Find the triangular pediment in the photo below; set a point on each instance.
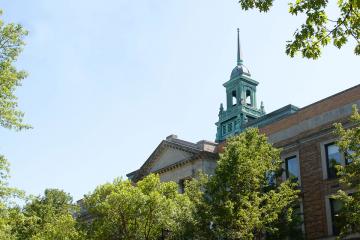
(173, 153)
(166, 154)
(169, 156)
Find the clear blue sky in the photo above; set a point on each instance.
(108, 80)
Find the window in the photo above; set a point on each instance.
(234, 101)
(181, 185)
(297, 228)
(333, 158)
(271, 178)
(250, 119)
(292, 168)
(248, 98)
(348, 158)
(237, 124)
(230, 127)
(223, 129)
(335, 207)
(299, 213)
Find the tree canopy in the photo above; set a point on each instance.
(242, 199)
(47, 217)
(148, 210)
(11, 45)
(348, 219)
(7, 195)
(319, 29)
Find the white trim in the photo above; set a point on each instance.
(328, 215)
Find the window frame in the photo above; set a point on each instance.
(230, 127)
(329, 220)
(181, 183)
(335, 231)
(223, 130)
(248, 97)
(286, 161)
(342, 160)
(301, 204)
(284, 165)
(234, 98)
(324, 158)
(329, 215)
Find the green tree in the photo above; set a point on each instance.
(48, 217)
(197, 227)
(11, 45)
(349, 144)
(318, 29)
(241, 199)
(7, 195)
(148, 210)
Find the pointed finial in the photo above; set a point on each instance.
(221, 110)
(239, 55)
(262, 108)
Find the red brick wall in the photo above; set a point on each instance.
(308, 144)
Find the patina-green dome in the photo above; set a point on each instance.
(240, 70)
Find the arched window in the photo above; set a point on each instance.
(234, 101)
(248, 98)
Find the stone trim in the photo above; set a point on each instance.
(300, 126)
(328, 215)
(349, 96)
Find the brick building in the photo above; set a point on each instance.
(305, 135)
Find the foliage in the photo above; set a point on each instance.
(195, 227)
(7, 195)
(149, 210)
(349, 144)
(318, 30)
(11, 44)
(47, 217)
(240, 200)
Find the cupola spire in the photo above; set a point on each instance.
(241, 105)
(239, 55)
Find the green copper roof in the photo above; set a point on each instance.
(241, 103)
(239, 56)
(240, 68)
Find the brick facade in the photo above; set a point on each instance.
(304, 133)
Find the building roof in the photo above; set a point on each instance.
(240, 68)
(290, 120)
(348, 96)
(201, 148)
(273, 116)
